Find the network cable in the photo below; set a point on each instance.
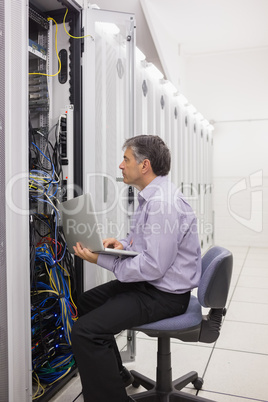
(53, 285)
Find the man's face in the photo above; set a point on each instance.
(131, 170)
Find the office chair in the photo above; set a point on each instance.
(191, 326)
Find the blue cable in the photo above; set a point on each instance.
(53, 168)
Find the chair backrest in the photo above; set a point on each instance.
(217, 265)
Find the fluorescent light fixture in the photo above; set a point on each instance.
(154, 72)
(139, 55)
(108, 27)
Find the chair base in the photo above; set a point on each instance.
(172, 394)
(164, 389)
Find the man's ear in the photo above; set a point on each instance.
(146, 167)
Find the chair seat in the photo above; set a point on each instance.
(177, 326)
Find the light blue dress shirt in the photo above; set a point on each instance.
(164, 231)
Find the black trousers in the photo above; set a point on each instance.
(105, 311)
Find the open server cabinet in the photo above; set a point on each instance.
(66, 103)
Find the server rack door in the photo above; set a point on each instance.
(211, 209)
(174, 143)
(184, 151)
(159, 111)
(198, 162)
(181, 156)
(194, 184)
(209, 188)
(108, 119)
(15, 373)
(3, 261)
(202, 200)
(140, 129)
(167, 97)
(141, 99)
(206, 188)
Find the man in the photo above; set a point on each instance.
(155, 284)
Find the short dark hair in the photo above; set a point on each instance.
(150, 147)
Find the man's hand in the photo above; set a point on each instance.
(111, 242)
(85, 254)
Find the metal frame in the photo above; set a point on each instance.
(17, 200)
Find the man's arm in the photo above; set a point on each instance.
(157, 247)
(85, 254)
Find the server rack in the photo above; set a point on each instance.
(21, 122)
(54, 110)
(163, 111)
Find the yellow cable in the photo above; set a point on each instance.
(34, 292)
(31, 186)
(67, 371)
(69, 283)
(51, 280)
(67, 273)
(39, 385)
(74, 37)
(65, 361)
(56, 48)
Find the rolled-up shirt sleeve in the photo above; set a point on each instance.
(124, 242)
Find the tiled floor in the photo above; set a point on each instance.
(235, 368)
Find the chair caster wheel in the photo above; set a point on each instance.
(135, 384)
(198, 383)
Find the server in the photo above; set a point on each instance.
(53, 275)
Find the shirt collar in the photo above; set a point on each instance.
(150, 189)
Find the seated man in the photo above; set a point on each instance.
(155, 284)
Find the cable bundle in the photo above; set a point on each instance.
(57, 286)
(52, 269)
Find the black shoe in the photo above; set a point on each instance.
(126, 376)
(130, 399)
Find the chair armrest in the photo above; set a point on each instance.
(211, 325)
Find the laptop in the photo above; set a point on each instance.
(80, 224)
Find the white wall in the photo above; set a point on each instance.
(232, 90)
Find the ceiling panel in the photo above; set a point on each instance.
(213, 25)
